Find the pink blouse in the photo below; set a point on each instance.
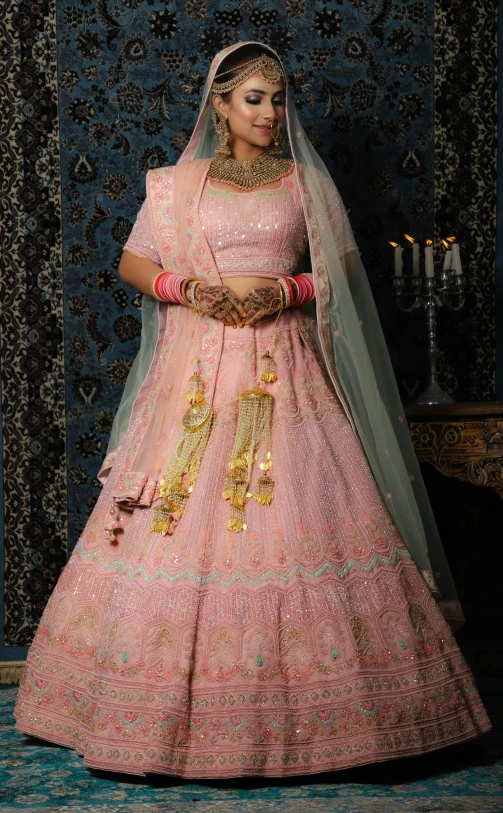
(262, 232)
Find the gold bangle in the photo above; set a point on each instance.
(282, 294)
(191, 295)
(152, 285)
(183, 286)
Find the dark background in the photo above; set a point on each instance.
(398, 96)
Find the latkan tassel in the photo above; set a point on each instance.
(195, 392)
(267, 368)
(176, 485)
(264, 494)
(253, 430)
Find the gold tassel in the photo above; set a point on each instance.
(267, 368)
(176, 485)
(264, 491)
(253, 430)
(195, 393)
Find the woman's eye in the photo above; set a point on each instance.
(279, 102)
(253, 101)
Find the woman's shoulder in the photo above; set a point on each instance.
(181, 168)
(159, 172)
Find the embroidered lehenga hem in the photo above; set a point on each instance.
(263, 732)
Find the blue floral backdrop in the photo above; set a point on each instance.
(397, 96)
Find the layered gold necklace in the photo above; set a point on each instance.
(250, 174)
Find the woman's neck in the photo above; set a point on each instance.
(246, 152)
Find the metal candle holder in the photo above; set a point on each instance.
(447, 290)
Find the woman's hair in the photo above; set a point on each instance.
(232, 64)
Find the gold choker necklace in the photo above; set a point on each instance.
(250, 174)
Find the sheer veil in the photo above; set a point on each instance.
(352, 345)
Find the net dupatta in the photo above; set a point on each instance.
(351, 342)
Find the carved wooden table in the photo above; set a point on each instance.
(460, 440)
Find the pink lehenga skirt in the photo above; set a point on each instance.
(308, 642)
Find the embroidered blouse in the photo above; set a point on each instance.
(262, 232)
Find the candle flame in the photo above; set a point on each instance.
(451, 239)
(409, 238)
(429, 242)
(395, 245)
(446, 244)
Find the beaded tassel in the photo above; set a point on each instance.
(195, 392)
(264, 491)
(176, 485)
(267, 368)
(253, 431)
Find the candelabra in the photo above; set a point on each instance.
(431, 293)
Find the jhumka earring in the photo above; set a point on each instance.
(277, 143)
(177, 484)
(222, 127)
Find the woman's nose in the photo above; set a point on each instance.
(269, 113)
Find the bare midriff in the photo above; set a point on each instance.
(241, 285)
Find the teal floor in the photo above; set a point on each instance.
(42, 778)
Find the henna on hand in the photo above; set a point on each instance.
(220, 303)
(262, 303)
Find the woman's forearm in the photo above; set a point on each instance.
(138, 271)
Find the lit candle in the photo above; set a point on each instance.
(448, 253)
(428, 259)
(456, 259)
(415, 259)
(415, 254)
(398, 258)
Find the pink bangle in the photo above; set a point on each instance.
(166, 287)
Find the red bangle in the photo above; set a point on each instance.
(167, 287)
(305, 289)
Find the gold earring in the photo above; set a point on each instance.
(222, 127)
(276, 145)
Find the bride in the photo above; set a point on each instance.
(260, 588)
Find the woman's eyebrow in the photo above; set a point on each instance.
(263, 92)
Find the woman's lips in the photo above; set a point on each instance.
(263, 129)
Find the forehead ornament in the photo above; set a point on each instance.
(268, 68)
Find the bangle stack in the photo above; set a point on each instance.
(296, 291)
(166, 287)
(170, 287)
(305, 289)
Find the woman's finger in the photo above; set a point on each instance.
(231, 296)
(255, 317)
(235, 318)
(221, 316)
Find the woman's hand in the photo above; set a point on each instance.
(261, 303)
(219, 302)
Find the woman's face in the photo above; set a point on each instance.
(253, 110)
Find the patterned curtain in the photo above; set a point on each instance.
(399, 97)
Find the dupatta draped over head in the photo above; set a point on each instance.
(349, 335)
